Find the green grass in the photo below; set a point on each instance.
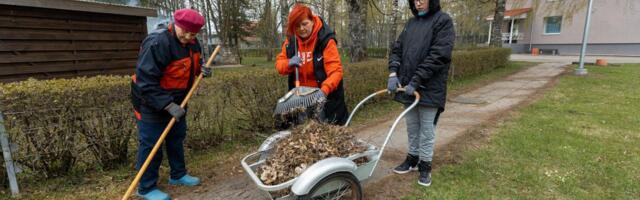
(580, 141)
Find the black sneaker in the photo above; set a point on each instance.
(410, 163)
(425, 173)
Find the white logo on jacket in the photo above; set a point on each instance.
(305, 57)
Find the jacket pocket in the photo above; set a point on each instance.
(176, 75)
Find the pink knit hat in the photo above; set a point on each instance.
(188, 19)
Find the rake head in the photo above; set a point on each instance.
(299, 99)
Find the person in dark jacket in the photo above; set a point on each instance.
(168, 64)
(311, 47)
(419, 61)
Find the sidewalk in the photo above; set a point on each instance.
(462, 113)
(569, 59)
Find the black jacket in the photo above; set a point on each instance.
(165, 72)
(422, 54)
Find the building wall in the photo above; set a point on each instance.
(613, 21)
(613, 31)
(52, 43)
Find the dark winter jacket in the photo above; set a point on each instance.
(422, 54)
(165, 72)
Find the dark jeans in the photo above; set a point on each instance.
(148, 134)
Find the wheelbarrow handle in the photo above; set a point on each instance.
(395, 123)
(373, 95)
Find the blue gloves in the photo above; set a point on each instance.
(410, 89)
(392, 83)
(206, 71)
(295, 61)
(175, 110)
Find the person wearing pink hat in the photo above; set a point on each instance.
(168, 63)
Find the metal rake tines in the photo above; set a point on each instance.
(292, 102)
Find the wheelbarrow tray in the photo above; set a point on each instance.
(252, 162)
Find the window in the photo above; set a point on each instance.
(552, 25)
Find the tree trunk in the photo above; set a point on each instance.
(331, 12)
(268, 30)
(284, 13)
(394, 26)
(498, 16)
(358, 29)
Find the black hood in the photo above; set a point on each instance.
(434, 7)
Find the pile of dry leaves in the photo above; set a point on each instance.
(306, 145)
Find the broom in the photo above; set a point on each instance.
(166, 131)
(299, 98)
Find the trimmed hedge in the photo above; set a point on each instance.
(84, 123)
(371, 52)
(476, 61)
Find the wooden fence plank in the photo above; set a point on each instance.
(64, 14)
(67, 46)
(55, 56)
(44, 35)
(36, 23)
(25, 68)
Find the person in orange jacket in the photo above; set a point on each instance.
(314, 51)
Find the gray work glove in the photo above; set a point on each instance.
(410, 89)
(295, 61)
(392, 83)
(175, 110)
(206, 72)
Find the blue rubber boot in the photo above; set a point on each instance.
(155, 195)
(186, 180)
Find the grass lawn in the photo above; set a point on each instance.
(112, 184)
(580, 141)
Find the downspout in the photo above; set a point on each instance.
(533, 19)
(511, 30)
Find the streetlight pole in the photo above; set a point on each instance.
(581, 70)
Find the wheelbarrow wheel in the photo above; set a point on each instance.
(336, 186)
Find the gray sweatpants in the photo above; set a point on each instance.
(421, 130)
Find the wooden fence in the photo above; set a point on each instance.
(45, 42)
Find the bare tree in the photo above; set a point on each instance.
(358, 29)
(394, 26)
(498, 17)
(284, 13)
(267, 29)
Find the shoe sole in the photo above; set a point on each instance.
(404, 172)
(424, 184)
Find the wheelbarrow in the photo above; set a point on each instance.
(330, 178)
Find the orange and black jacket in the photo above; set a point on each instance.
(165, 72)
(321, 68)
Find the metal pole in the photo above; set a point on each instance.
(581, 70)
(490, 30)
(8, 162)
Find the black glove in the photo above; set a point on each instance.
(410, 89)
(392, 83)
(295, 61)
(207, 72)
(175, 110)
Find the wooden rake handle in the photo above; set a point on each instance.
(166, 131)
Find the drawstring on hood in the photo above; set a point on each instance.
(434, 7)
